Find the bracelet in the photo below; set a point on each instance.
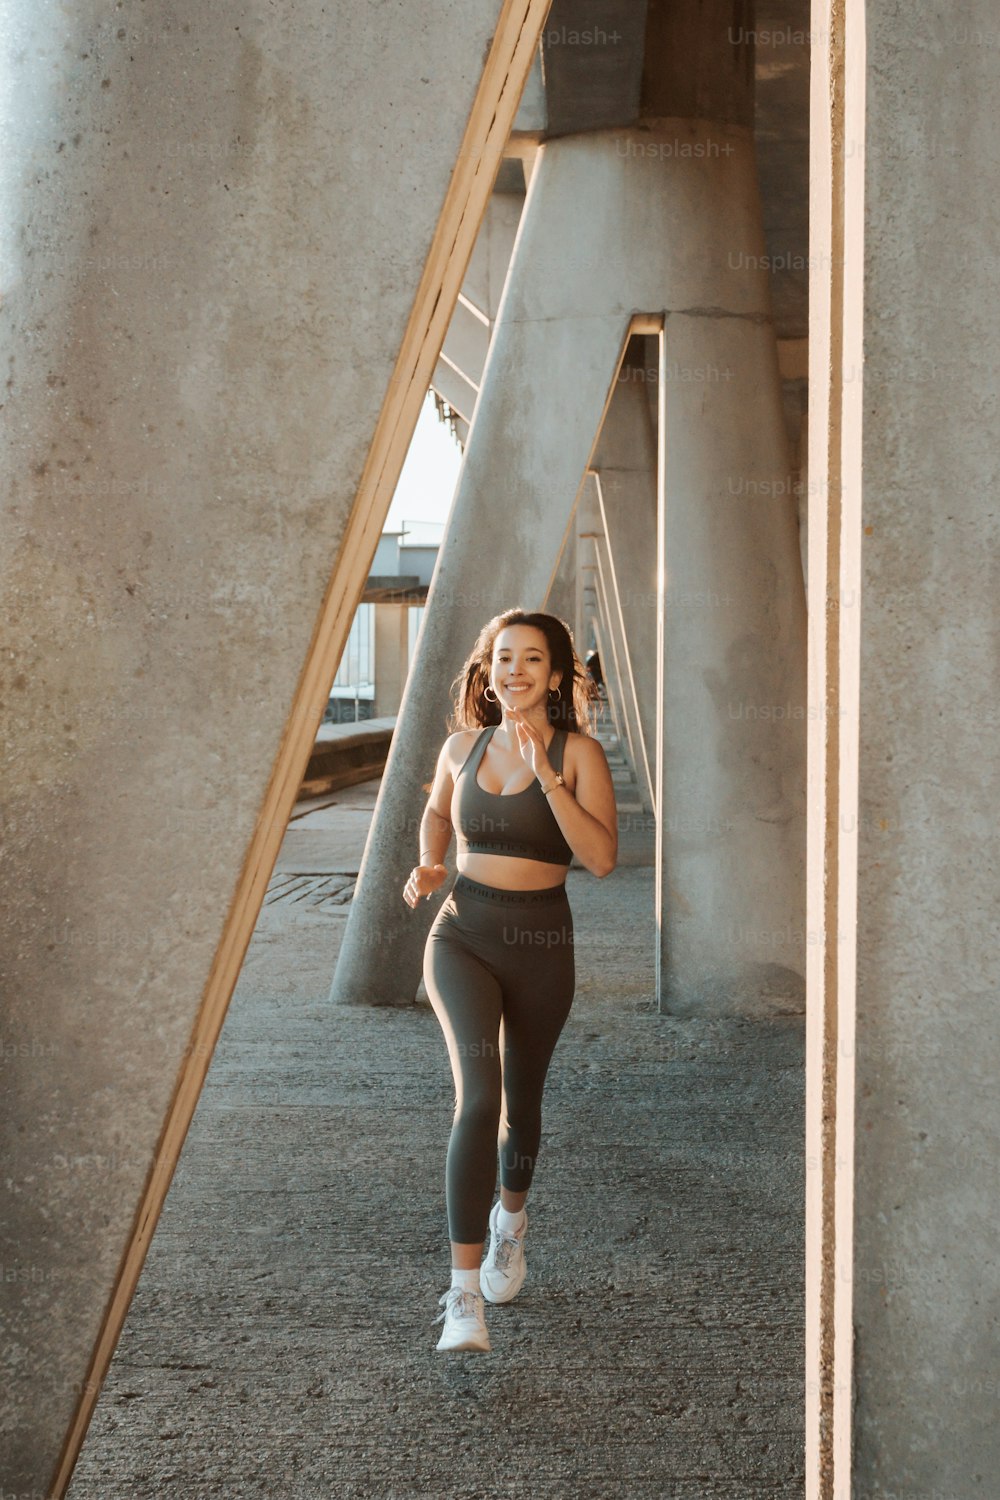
(426, 851)
(558, 782)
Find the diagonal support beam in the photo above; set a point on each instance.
(206, 429)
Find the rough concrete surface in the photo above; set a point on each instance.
(216, 224)
(281, 1340)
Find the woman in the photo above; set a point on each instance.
(526, 787)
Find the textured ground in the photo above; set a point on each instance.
(281, 1340)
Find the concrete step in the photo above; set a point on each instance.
(346, 754)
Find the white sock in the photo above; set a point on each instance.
(508, 1222)
(468, 1280)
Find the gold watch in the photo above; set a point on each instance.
(558, 782)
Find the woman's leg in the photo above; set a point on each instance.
(467, 1001)
(539, 984)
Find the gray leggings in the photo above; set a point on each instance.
(500, 973)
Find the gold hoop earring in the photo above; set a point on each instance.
(558, 693)
(486, 695)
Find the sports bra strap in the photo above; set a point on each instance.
(557, 745)
(477, 752)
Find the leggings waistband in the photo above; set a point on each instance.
(497, 895)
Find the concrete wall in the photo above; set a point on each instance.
(926, 1268)
(903, 1134)
(210, 273)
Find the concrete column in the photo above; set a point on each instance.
(626, 492)
(614, 658)
(588, 525)
(596, 625)
(904, 1125)
(731, 769)
(731, 848)
(215, 287)
(392, 644)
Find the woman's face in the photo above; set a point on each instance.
(521, 669)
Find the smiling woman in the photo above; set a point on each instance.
(527, 788)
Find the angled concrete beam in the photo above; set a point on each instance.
(222, 315)
(454, 388)
(467, 342)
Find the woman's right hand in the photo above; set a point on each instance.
(424, 881)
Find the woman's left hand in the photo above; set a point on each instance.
(532, 746)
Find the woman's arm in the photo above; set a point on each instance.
(435, 825)
(435, 836)
(588, 815)
(435, 833)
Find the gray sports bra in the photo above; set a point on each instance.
(521, 824)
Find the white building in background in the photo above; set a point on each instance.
(380, 646)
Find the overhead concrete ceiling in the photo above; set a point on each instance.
(591, 59)
(593, 72)
(588, 76)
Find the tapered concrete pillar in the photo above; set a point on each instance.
(595, 616)
(228, 231)
(501, 548)
(586, 513)
(561, 597)
(600, 238)
(903, 1271)
(731, 769)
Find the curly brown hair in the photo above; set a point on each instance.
(574, 710)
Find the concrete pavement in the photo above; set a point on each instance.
(281, 1340)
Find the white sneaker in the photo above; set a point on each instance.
(502, 1273)
(464, 1320)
